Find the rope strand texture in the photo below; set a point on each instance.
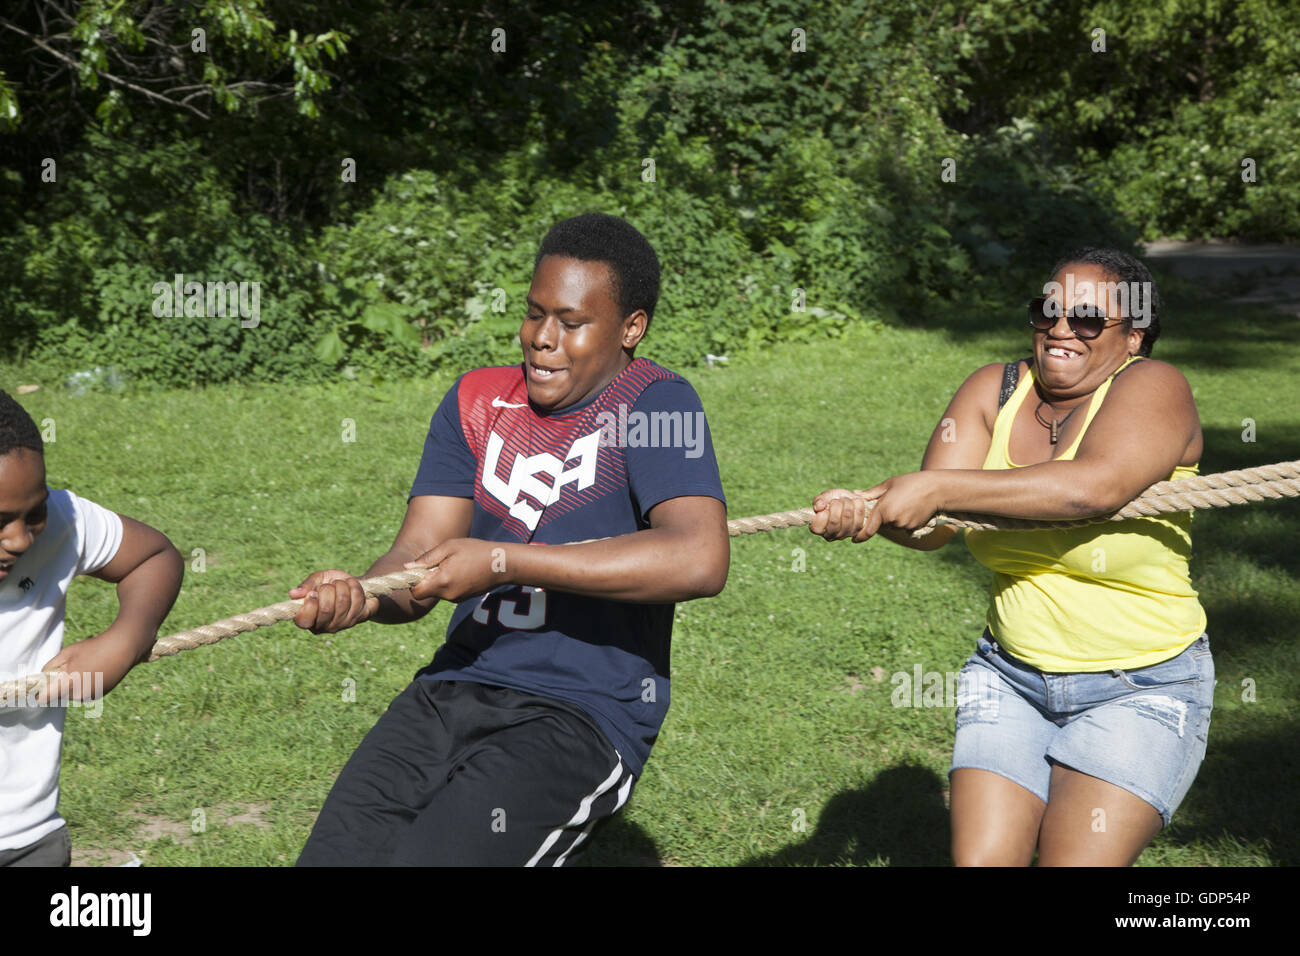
(1244, 486)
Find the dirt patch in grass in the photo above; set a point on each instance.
(150, 828)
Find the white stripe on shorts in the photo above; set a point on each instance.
(623, 791)
(584, 811)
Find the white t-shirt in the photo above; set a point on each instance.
(79, 537)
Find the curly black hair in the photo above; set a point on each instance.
(17, 430)
(1122, 267)
(597, 237)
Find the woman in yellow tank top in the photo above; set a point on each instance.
(1083, 715)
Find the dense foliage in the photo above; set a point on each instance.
(385, 171)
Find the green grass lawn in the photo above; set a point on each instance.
(781, 711)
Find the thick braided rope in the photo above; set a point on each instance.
(1245, 486)
(1198, 493)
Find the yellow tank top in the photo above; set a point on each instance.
(1092, 598)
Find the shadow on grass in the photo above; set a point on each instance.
(1245, 793)
(1269, 542)
(898, 820)
(622, 843)
(1225, 451)
(1264, 535)
(1216, 335)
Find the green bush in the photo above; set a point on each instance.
(1189, 180)
(79, 278)
(799, 155)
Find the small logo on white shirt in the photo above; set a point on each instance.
(497, 403)
(26, 584)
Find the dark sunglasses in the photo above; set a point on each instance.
(1085, 321)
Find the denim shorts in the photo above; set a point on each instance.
(1143, 730)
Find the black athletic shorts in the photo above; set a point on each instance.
(457, 773)
(53, 849)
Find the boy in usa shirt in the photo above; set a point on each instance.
(530, 726)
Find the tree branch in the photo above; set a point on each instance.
(104, 73)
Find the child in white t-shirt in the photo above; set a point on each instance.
(47, 537)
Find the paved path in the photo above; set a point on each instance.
(1254, 266)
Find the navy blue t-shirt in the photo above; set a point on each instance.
(593, 470)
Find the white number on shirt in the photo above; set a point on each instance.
(508, 613)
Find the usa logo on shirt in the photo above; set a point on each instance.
(540, 477)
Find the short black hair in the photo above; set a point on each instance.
(597, 237)
(1127, 269)
(17, 430)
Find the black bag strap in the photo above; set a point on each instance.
(1010, 378)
